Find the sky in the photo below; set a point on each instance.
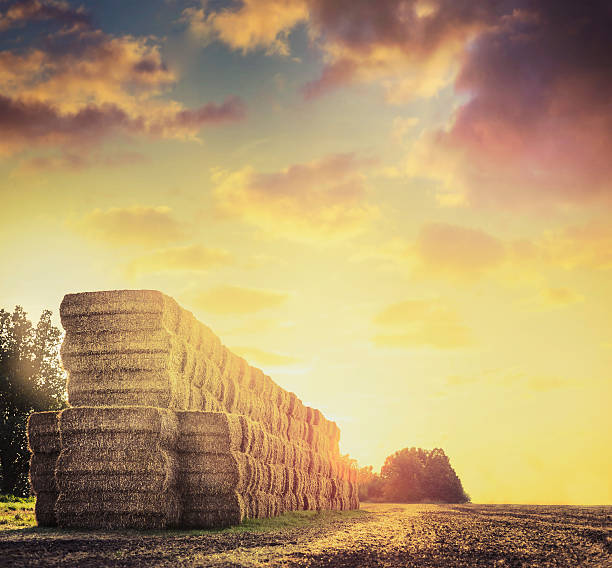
(400, 209)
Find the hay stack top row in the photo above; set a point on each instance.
(139, 347)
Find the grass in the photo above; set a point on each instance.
(288, 521)
(16, 512)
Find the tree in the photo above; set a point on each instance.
(371, 486)
(31, 380)
(415, 475)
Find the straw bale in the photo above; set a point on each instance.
(243, 371)
(118, 510)
(186, 326)
(217, 473)
(283, 425)
(150, 341)
(214, 510)
(137, 361)
(297, 430)
(212, 347)
(229, 394)
(297, 409)
(119, 427)
(84, 470)
(244, 401)
(257, 380)
(43, 432)
(42, 472)
(289, 502)
(209, 432)
(44, 509)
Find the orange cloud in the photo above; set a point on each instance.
(421, 323)
(321, 199)
(265, 358)
(236, 300)
(144, 226)
(189, 257)
(450, 249)
(84, 85)
(22, 11)
(253, 25)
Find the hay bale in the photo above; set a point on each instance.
(217, 473)
(44, 509)
(209, 432)
(213, 510)
(86, 471)
(119, 427)
(122, 388)
(101, 341)
(42, 473)
(118, 510)
(43, 432)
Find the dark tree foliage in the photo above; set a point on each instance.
(31, 380)
(413, 475)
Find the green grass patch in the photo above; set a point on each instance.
(288, 521)
(16, 512)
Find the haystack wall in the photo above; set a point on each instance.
(168, 427)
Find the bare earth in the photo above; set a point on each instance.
(380, 535)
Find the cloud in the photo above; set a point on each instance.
(189, 257)
(320, 199)
(76, 161)
(79, 86)
(561, 296)
(253, 24)
(552, 298)
(23, 11)
(236, 300)
(144, 226)
(412, 47)
(421, 323)
(35, 123)
(533, 129)
(536, 131)
(264, 358)
(451, 249)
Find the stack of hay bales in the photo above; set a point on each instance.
(239, 445)
(45, 447)
(117, 468)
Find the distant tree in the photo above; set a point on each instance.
(414, 475)
(370, 484)
(31, 380)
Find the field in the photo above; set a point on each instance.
(377, 535)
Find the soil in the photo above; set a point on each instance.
(446, 536)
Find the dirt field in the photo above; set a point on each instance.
(378, 535)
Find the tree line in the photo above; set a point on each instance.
(413, 475)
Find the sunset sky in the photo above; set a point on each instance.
(399, 209)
